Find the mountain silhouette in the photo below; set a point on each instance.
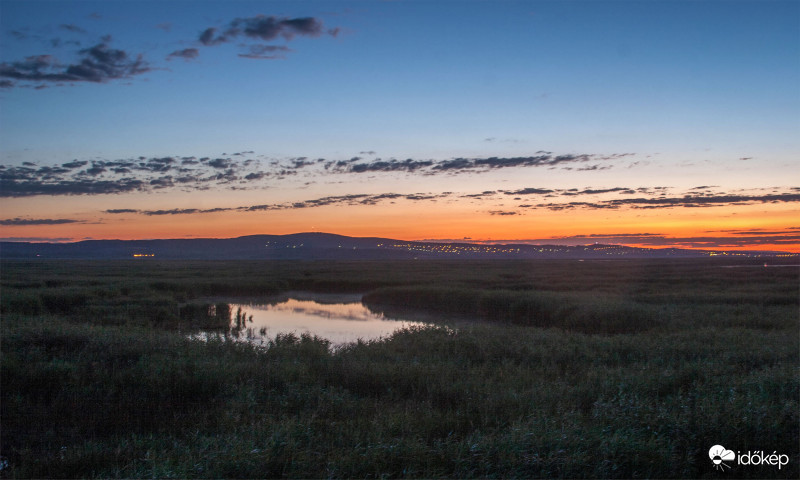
(327, 246)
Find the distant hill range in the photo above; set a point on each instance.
(326, 246)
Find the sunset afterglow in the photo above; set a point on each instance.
(650, 124)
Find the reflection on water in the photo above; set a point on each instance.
(338, 319)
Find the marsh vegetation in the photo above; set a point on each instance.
(579, 369)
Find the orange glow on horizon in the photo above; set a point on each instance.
(717, 228)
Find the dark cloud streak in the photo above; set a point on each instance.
(687, 201)
(336, 200)
(466, 164)
(37, 221)
(186, 54)
(121, 210)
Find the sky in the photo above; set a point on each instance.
(645, 123)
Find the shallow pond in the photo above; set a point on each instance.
(338, 318)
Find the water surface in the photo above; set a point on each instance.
(338, 318)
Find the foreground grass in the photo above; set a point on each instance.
(88, 395)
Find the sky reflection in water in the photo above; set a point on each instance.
(338, 322)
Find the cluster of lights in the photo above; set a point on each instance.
(612, 249)
(729, 254)
(284, 246)
(493, 249)
(144, 255)
(450, 248)
(458, 249)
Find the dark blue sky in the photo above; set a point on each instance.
(411, 78)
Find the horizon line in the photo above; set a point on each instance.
(468, 241)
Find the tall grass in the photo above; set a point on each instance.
(482, 401)
(582, 312)
(90, 394)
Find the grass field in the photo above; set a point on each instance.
(622, 369)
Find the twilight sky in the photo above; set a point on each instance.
(647, 123)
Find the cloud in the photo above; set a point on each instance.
(255, 175)
(78, 177)
(207, 37)
(120, 176)
(98, 64)
(687, 201)
(19, 35)
(239, 171)
(174, 211)
(186, 54)
(335, 200)
(596, 191)
(95, 170)
(657, 240)
(706, 200)
(219, 163)
(529, 191)
(419, 196)
(266, 52)
(455, 165)
(188, 169)
(657, 197)
(269, 28)
(301, 162)
(102, 63)
(121, 210)
(591, 168)
(37, 239)
(759, 231)
(501, 140)
(263, 28)
(502, 212)
(37, 221)
(72, 28)
(9, 188)
(485, 193)
(74, 164)
(390, 166)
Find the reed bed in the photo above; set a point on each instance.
(100, 379)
